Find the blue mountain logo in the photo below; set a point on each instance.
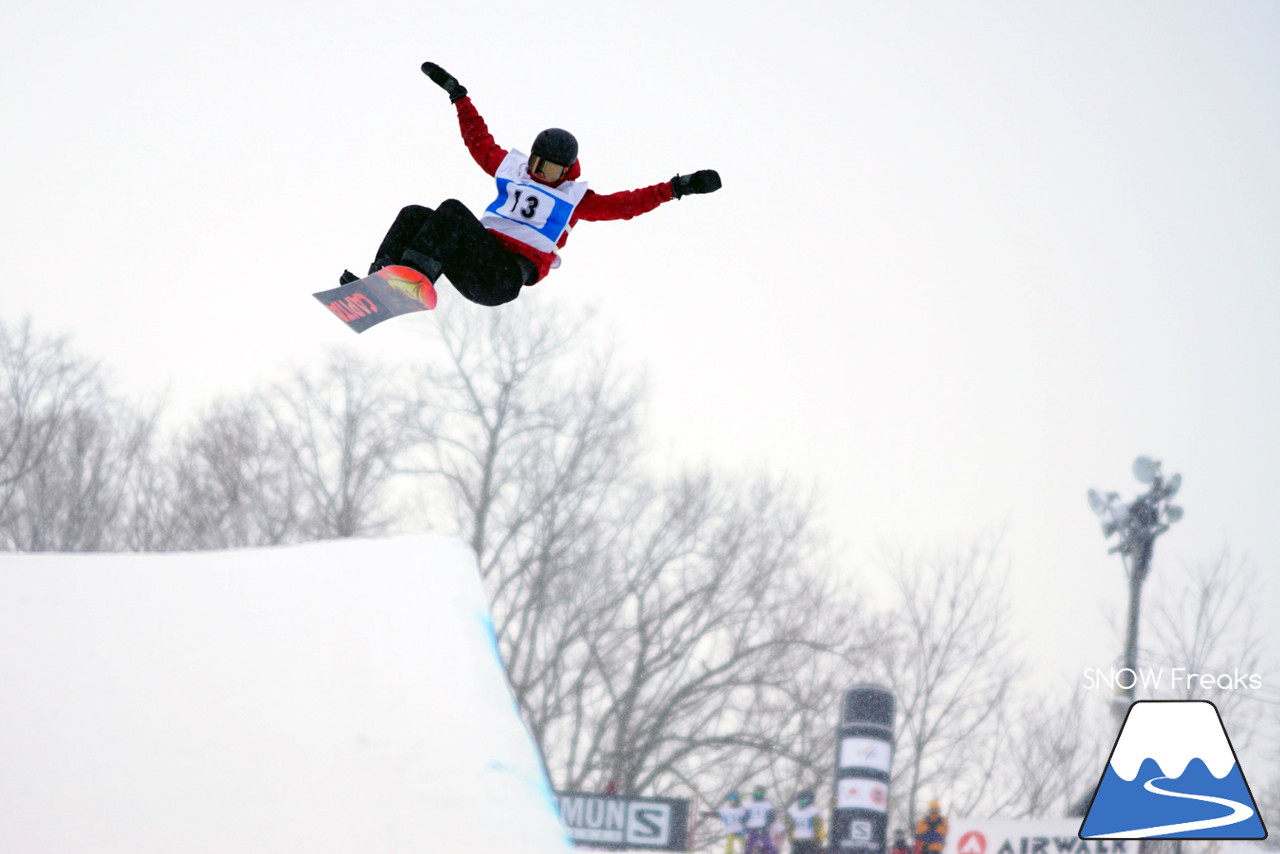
(1173, 774)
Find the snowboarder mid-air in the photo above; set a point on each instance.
(516, 240)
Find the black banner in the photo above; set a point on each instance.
(610, 821)
(864, 759)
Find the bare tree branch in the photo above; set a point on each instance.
(950, 668)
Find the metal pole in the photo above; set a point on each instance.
(1131, 640)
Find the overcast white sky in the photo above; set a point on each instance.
(969, 259)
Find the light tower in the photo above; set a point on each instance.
(1137, 524)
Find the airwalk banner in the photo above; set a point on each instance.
(607, 821)
(1029, 836)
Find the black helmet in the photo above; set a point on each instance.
(806, 795)
(556, 145)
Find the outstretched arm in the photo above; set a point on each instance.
(596, 207)
(629, 203)
(475, 133)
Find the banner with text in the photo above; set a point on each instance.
(1026, 836)
(606, 821)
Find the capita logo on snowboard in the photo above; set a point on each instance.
(381, 295)
(1173, 774)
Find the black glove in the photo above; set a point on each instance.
(704, 181)
(444, 80)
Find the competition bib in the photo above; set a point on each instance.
(532, 213)
(732, 818)
(803, 820)
(758, 814)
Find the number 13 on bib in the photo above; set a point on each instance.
(534, 214)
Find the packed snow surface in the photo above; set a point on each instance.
(332, 697)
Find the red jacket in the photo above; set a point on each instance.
(593, 207)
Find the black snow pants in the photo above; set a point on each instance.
(455, 243)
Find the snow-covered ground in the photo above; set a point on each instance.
(340, 696)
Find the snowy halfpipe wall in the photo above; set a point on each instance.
(333, 697)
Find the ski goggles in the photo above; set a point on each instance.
(546, 169)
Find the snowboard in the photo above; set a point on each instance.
(387, 293)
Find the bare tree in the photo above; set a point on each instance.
(1268, 790)
(1056, 748)
(1210, 639)
(511, 427)
(232, 482)
(44, 383)
(311, 457)
(661, 637)
(67, 448)
(716, 627)
(1205, 621)
(530, 455)
(154, 522)
(949, 664)
(340, 431)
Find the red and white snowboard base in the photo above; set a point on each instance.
(388, 293)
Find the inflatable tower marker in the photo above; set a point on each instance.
(864, 755)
